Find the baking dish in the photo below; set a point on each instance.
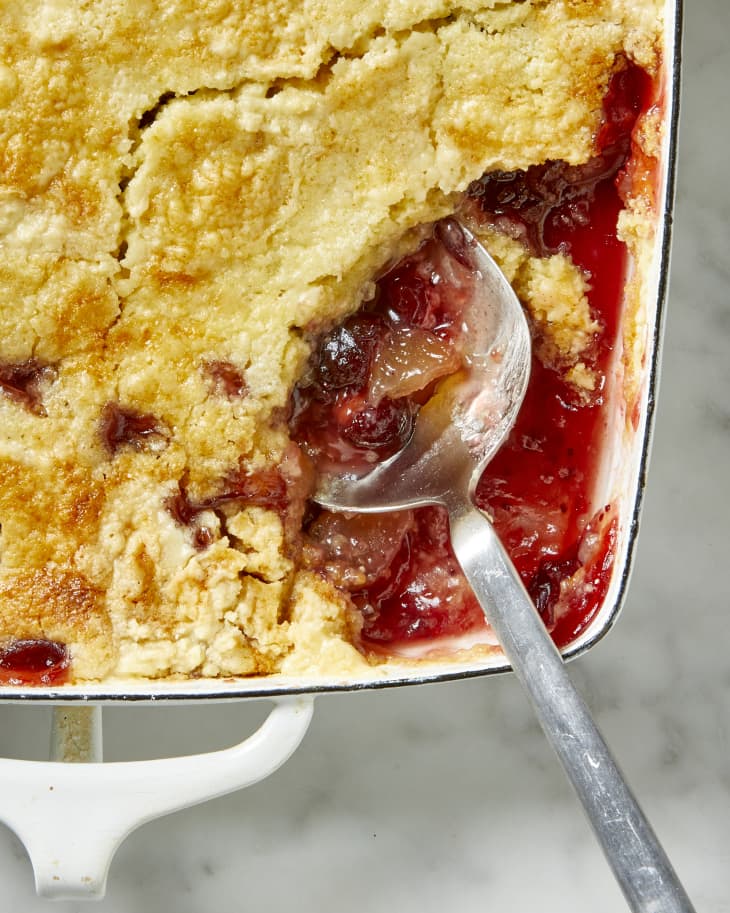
(106, 802)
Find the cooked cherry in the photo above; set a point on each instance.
(262, 488)
(345, 354)
(23, 382)
(34, 662)
(181, 508)
(226, 379)
(383, 427)
(119, 426)
(185, 512)
(408, 294)
(544, 588)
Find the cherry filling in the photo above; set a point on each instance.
(266, 488)
(225, 379)
(369, 375)
(120, 426)
(34, 662)
(556, 206)
(23, 382)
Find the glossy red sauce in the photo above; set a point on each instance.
(34, 662)
(547, 466)
(538, 487)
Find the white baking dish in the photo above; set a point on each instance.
(73, 816)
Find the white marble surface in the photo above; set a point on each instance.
(447, 797)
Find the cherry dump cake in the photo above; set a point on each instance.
(225, 268)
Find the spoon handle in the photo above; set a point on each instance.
(639, 863)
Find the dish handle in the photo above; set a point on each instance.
(72, 817)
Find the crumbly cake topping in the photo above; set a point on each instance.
(190, 191)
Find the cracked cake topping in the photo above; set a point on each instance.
(202, 208)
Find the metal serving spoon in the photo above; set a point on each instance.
(456, 434)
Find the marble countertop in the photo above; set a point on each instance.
(447, 797)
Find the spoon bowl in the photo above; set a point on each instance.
(463, 425)
(457, 432)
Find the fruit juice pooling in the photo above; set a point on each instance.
(538, 487)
